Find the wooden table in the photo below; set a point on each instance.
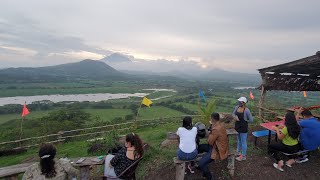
(84, 166)
(269, 125)
(12, 172)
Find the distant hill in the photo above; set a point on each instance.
(116, 58)
(164, 67)
(218, 74)
(86, 69)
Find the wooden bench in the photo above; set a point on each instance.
(261, 133)
(181, 165)
(12, 172)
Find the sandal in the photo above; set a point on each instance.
(289, 165)
(276, 166)
(190, 169)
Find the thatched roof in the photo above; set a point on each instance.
(299, 75)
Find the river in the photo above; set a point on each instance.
(75, 97)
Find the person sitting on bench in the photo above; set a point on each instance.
(289, 135)
(116, 164)
(187, 141)
(49, 167)
(310, 128)
(310, 136)
(218, 145)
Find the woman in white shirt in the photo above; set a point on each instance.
(187, 141)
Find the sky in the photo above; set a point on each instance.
(240, 36)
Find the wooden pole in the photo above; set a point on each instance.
(136, 122)
(262, 101)
(21, 131)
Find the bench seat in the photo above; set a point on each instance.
(261, 133)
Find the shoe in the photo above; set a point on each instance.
(190, 169)
(275, 165)
(238, 154)
(301, 160)
(289, 165)
(241, 158)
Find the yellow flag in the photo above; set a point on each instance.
(146, 101)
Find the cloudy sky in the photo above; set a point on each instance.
(232, 35)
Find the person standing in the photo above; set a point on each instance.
(242, 115)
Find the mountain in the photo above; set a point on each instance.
(86, 69)
(180, 69)
(217, 74)
(116, 58)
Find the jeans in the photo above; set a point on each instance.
(242, 143)
(274, 150)
(204, 162)
(187, 156)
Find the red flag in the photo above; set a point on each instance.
(304, 94)
(251, 95)
(25, 110)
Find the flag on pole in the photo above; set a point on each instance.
(146, 101)
(251, 95)
(305, 94)
(25, 110)
(201, 95)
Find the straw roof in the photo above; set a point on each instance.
(299, 75)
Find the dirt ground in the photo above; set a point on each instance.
(258, 166)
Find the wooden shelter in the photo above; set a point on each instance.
(299, 75)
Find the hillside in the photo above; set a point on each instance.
(86, 69)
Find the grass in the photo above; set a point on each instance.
(35, 114)
(192, 107)
(108, 114)
(154, 155)
(157, 111)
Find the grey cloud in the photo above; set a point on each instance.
(250, 33)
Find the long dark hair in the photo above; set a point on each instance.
(292, 125)
(187, 122)
(47, 153)
(135, 141)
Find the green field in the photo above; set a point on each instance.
(157, 111)
(35, 114)
(108, 114)
(153, 136)
(192, 107)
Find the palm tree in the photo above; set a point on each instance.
(207, 110)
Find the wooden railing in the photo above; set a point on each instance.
(90, 132)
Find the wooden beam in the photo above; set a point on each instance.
(261, 101)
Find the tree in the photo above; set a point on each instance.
(207, 110)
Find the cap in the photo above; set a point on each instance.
(243, 99)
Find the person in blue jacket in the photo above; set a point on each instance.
(310, 135)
